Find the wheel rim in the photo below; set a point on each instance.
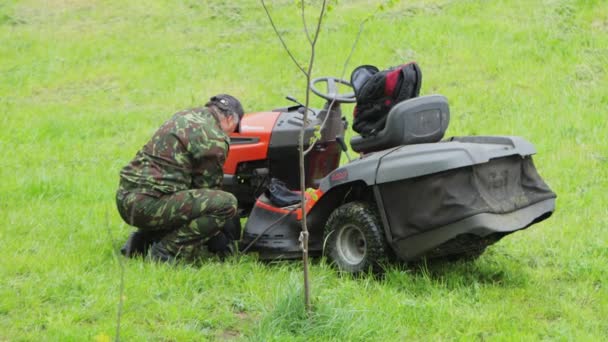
(351, 244)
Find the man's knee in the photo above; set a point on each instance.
(225, 204)
(216, 203)
(127, 204)
(141, 211)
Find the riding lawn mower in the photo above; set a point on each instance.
(407, 196)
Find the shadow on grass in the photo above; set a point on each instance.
(493, 269)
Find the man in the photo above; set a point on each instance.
(171, 191)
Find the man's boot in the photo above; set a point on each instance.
(139, 242)
(135, 245)
(158, 252)
(221, 245)
(232, 228)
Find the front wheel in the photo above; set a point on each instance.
(355, 240)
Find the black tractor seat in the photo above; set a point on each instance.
(419, 120)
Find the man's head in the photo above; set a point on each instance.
(227, 109)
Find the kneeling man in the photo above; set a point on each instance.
(171, 191)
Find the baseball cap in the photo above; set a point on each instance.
(226, 103)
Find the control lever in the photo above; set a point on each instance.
(340, 141)
(301, 110)
(293, 99)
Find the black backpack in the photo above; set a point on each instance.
(378, 91)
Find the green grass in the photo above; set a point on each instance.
(83, 84)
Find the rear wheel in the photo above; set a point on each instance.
(354, 238)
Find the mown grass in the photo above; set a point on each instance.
(83, 84)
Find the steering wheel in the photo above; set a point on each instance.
(332, 93)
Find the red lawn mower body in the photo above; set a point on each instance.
(265, 146)
(409, 194)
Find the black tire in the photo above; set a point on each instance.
(354, 239)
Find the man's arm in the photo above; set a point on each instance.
(208, 163)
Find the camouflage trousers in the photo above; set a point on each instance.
(189, 217)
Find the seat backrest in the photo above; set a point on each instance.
(419, 120)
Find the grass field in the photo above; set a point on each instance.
(83, 84)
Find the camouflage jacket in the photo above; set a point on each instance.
(186, 152)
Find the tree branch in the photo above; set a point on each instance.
(352, 51)
(304, 23)
(319, 25)
(304, 233)
(308, 72)
(281, 38)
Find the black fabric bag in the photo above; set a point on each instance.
(279, 195)
(500, 186)
(378, 91)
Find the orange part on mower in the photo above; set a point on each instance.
(254, 130)
(311, 197)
